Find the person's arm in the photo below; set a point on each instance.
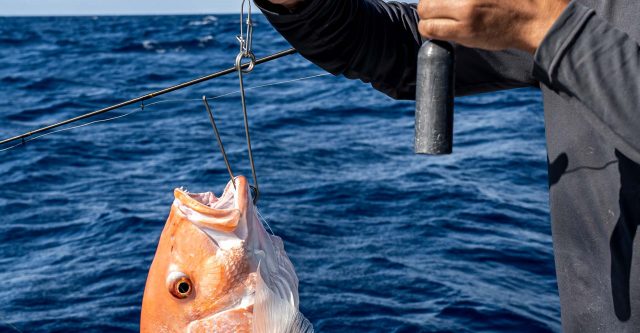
(585, 58)
(378, 42)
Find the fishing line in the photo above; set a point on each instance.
(148, 96)
(11, 326)
(270, 84)
(141, 108)
(264, 220)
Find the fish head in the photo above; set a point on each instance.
(201, 278)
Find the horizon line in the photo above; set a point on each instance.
(121, 14)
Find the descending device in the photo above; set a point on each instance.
(434, 98)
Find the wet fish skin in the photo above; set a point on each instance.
(216, 269)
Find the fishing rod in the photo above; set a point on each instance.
(141, 99)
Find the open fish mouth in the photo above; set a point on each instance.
(209, 199)
(240, 275)
(219, 217)
(207, 203)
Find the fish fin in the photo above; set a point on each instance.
(273, 314)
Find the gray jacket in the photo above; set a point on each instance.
(588, 68)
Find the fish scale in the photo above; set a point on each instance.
(195, 285)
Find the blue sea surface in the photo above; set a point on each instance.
(382, 240)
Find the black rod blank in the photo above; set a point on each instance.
(148, 96)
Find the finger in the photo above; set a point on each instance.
(440, 9)
(445, 29)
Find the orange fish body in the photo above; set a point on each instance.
(216, 269)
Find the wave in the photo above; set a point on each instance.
(383, 240)
(13, 79)
(167, 46)
(44, 111)
(207, 20)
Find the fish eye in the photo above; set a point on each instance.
(179, 285)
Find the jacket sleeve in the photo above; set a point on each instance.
(378, 42)
(584, 58)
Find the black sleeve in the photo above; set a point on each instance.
(585, 58)
(378, 42)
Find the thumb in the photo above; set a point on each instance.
(439, 28)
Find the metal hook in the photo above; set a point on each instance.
(252, 62)
(215, 129)
(247, 52)
(254, 188)
(246, 42)
(248, 136)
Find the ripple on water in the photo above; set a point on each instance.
(382, 240)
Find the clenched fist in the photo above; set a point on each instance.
(489, 24)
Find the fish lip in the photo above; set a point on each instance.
(239, 194)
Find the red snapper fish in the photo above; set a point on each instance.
(217, 270)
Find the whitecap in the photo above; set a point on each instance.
(205, 21)
(202, 41)
(149, 44)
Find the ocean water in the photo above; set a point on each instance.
(382, 240)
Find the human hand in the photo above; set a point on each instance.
(489, 24)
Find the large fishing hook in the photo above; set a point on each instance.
(247, 52)
(219, 139)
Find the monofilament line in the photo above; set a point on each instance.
(160, 102)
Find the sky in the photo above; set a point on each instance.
(116, 7)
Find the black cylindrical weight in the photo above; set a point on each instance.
(434, 98)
